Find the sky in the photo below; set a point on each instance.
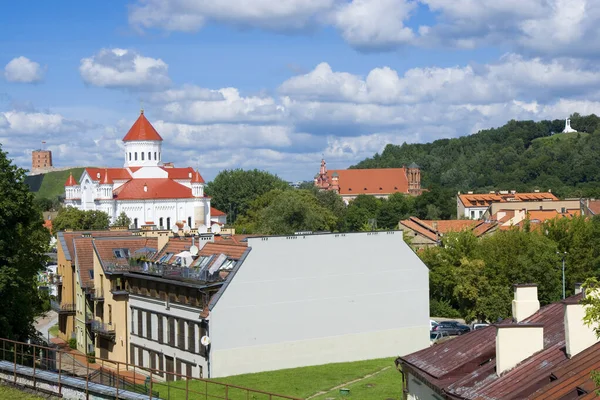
(279, 84)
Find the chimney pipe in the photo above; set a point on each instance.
(578, 335)
(526, 302)
(515, 343)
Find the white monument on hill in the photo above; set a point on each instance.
(568, 126)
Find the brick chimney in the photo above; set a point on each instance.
(516, 343)
(578, 335)
(525, 302)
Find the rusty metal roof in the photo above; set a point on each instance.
(465, 368)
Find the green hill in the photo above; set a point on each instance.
(521, 155)
(52, 184)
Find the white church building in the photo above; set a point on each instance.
(148, 191)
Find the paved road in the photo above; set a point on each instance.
(44, 323)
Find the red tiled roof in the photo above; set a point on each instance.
(157, 188)
(70, 180)
(179, 173)
(433, 228)
(70, 236)
(105, 246)
(197, 178)
(216, 213)
(474, 200)
(175, 245)
(424, 231)
(84, 259)
(114, 174)
(371, 181)
(142, 129)
(593, 206)
(106, 178)
(465, 366)
(231, 250)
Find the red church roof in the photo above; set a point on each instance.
(197, 178)
(106, 178)
(114, 174)
(216, 213)
(71, 181)
(142, 129)
(156, 188)
(370, 181)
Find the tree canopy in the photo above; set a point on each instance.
(122, 220)
(521, 155)
(23, 242)
(232, 191)
(73, 218)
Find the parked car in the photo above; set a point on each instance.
(452, 328)
(438, 337)
(479, 326)
(432, 324)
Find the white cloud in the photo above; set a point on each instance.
(375, 23)
(23, 70)
(191, 15)
(119, 68)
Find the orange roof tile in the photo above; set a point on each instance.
(593, 206)
(153, 188)
(84, 259)
(424, 231)
(70, 180)
(197, 178)
(453, 225)
(231, 250)
(174, 245)
(371, 181)
(142, 129)
(473, 200)
(180, 173)
(114, 174)
(216, 213)
(70, 236)
(105, 246)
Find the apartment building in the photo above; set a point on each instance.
(475, 206)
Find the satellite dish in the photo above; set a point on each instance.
(205, 340)
(194, 250)
(175, 229)
(215, 228)
(186, 229)
(202, 229)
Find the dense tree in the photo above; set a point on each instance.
(287, 211)
(122, 220)
(23, 241)
(232, 191)
(72, 218)
(521, 155)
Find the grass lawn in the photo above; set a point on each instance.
(304, 382)
(54, 330)
(562, 136)
(53, 183)
(7, 392)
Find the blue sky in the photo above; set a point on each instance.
(276, 84)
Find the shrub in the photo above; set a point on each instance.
(73, 343)
(442, 308)
(91, 357)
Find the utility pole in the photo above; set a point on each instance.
(563, 254)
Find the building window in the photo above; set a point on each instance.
(160, 329)
(169, 223)
(142, 153)
(160, 222)
(140, 326)
(181, 334)
(135, 156)
(149, 156)
(191, 337)
(190, 222)
(148, 325)
(129, 156)
(132, 320)
(110, 314)
(472, 214)
(171, 331)
(155, 156)
(135, 223)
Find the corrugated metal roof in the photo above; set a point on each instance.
(465, 368)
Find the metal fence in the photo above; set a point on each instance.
(94, 375)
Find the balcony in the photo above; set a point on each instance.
(89, 318)
(119, 290)
(56, 279)
(97, 295)
(103, 329)
(64, 309)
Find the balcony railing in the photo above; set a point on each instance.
(97, 295)
(102, 328)
(62, 308)
(89, 318)
(170, 272)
